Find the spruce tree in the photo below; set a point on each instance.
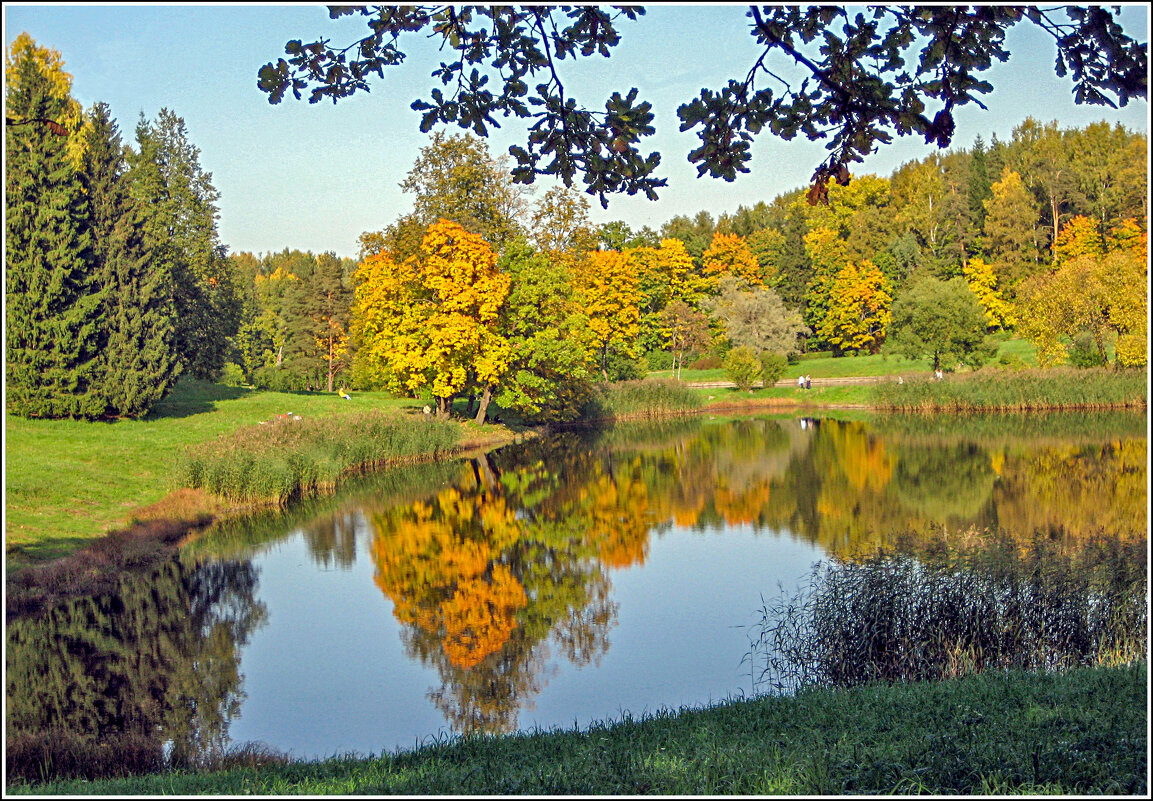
(140, 363)
(316, 313)
(182, 217)
(53, 298)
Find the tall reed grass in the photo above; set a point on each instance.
(289, 458)
(897, 618)
(639, 399)
(1001, 390)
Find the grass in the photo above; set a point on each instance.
(288, 458)
(68, 481)
(1023, 390)
(645, 399)
(1001, 732)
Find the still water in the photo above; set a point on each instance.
(574, 578)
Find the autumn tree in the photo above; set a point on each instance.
(982, 281)
(560, 221)
(608, 293)
(54, 300)
(664, 273)
(431, 322)
(508, 61)
(728, 254)
(1102, 293)
(858, 316)
(941, 320)
(688, 330)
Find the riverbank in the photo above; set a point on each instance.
(1075, 733)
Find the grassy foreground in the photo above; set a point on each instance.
(1075, 733)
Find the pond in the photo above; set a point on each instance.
(572, 578)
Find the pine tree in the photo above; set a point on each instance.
(140, 363)
(317, 314)
(53, 299)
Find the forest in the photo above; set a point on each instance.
(118, 282)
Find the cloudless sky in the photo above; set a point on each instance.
(313, 177)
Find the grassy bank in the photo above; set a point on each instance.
(296, 458)
(1073, 733)
(69, 482)
(633, 400)
(1026, 390)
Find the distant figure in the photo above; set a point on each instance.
(937, 374)
(900, 380)
(342, 392)
(808, 382)
(800, 382)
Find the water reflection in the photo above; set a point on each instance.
(156, 664)
(500, 570)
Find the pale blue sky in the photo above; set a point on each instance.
(314, 177)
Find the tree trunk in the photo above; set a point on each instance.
(442, 407)
(484, 399)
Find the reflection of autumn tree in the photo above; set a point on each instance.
(1079, 490)
(159, 659)
(950, 484)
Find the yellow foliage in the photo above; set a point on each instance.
(982, 280)
(859, 303)
(730, 255)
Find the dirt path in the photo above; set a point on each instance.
(792, 382)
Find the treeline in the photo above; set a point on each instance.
(116, 280)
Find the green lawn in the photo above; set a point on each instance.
(69, 481)
(996, 733)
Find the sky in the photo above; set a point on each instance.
(314, 177)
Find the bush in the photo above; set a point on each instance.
(742, 367)
(232, 375)
(707, 362)
(1083, 352)
(773, 367)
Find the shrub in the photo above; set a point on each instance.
(232, 375)
(773, 367)
(1083, 352)
(742, 367)
(707, 362)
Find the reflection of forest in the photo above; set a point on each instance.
(509, 562)
(156, 662)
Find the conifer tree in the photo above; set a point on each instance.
(316, 312)
(140, 363)
(53, 300)
(181, 204)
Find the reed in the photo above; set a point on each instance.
(640, 399)
(289, 458)
(1025, 390)
(892, 617)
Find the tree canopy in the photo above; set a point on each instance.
(867, 76)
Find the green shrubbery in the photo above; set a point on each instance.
(289, 456)
(742, 367)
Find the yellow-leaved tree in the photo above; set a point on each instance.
(431, 321)
(859, 308)
(607, 289)
(1091, 290)
(982, 280)
(730, 255)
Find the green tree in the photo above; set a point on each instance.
(941, 320)
(549, 370)
(560, 221)
(316, 315)
(869, 75)
(1011, 219)
(139, 360)
(54, 301)
(181, 200)
(755, 317)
